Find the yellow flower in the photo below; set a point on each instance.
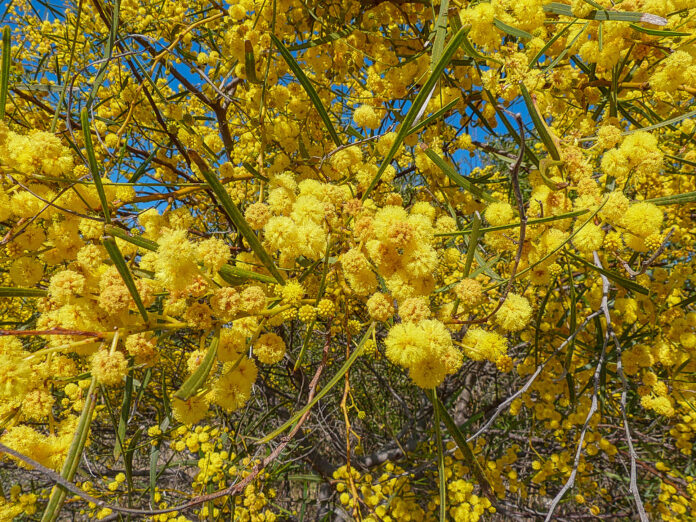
(514, 314)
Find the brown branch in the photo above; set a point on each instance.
(55, 331)
(514, 179)
(648, 262)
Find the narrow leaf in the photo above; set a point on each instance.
(470, 50)
(108, 54)
(675, 199)
(5, 70)
(619, 280)
(463, 445)
(147, 244)
(687, 301)
(334, 380)
(442, 479)
(665, 123)
(568, 48)
(605, 15)
(237, 217)
(120, 264)
(143, 166)
(548, 44)
(234, 275)
(512, 31)
(123, 417)
(68, 74)
(473, 243)
(440, 33)
(250, 62)
(154, 457)
(93, 166)
(540, 124)
(9, 291)
(418, 103)
(72, 461)
(456, 178)
(536, 221)
(657, 32)
(251, 170)
(434, 117)
(196, 380)
(308, 87)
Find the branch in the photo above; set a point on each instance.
(503, 405)
(624, 385)
(232, 490)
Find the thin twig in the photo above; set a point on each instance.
(503, 405)
(578, 452)
(515, 181)
(624, 386)
(231, 490)
(648, 262)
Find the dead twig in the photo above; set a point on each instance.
(604, 306)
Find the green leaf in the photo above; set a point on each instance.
(324, 39)
(251, 170)
(537, 221)
(463, 445)
(5, 70)
(143, 166)
(108, 54)
(196, 380)
(675, 199)
(250, 62)
(68, 74)
(540, 124)
(664, 123)
(469, 49)
(229, 273)
(573, 325)
(657, 32)
(10, 291)
(305, 344)
(619, 280)
(605, 15)
(147, 244)
(234, 275)
(128, 455)
(308, 87)
(433, 117)
(681, 160)
(237, 218)
(442, 479)
(457, 178)
(563, 53)
(154, 457)
(72, 461)
(564, 243)
(418, 103)
(512, 31)
(687, 301)
(528, 152)
(473, 243)
(123, 417)
(334, 380)
(93, 166)
(120, 263)
(440, 33)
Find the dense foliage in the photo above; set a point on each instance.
(347, 260)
